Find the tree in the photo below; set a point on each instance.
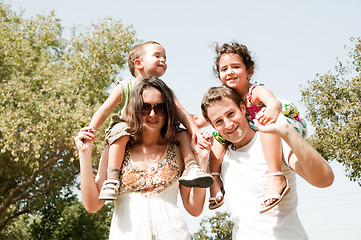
(50, 87)
(333, 105)
(61, 218)
(214, 228)
(67, 219)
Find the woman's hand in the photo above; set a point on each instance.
(85, 139)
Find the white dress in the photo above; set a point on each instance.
(147, 207)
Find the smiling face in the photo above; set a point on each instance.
(154, 60)
(152, 122)
(233, 73)
(230, 122)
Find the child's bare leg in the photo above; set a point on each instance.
(193, 175)
(116, 156)
(272, 149)
(216, 190)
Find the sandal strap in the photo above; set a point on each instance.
(212, 199)
(278, 174)
(215, 174)
(111, 183)
(275, 174)
(274, 196)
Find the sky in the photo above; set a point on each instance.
(291, 41)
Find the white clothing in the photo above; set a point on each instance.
(136, 217)
(146, 209)
(244, 177)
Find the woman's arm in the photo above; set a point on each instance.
(89, 185)
(193, 198)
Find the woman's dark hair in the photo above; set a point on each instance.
(134, 117)
(234, 48)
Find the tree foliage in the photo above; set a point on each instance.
(67, 220)
(214, 228)
(50, 87)
(333, 103)
(61, 218)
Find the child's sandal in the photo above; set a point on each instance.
(278, 197)
(216, 204)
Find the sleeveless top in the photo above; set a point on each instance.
(150, 182)
(146, 208)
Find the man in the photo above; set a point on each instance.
(244, 168)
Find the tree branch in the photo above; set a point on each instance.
(9, 200)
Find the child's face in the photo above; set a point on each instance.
(154, 60)
(233, 72)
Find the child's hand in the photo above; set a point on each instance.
(85, 138)
(268, 115)
(204, 140)
(273, 128)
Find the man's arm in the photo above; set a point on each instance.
(304, 160)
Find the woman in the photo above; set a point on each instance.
(147, 204)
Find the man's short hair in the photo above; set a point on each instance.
(215, 94)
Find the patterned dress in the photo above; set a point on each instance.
(146, 207)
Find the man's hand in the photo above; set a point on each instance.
(274, 128)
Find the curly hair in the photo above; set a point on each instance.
(235, 48)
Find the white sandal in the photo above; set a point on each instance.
(217, 204)
(279, 197)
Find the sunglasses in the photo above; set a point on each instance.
(158, 108)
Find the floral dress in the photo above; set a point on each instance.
(146, 207)
(288, 109)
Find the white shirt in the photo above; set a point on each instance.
(244, 173)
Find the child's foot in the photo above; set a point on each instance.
(217, 187)
(277, 188)
(194, 176)
(109, 190)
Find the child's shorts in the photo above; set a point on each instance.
(115, 131)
